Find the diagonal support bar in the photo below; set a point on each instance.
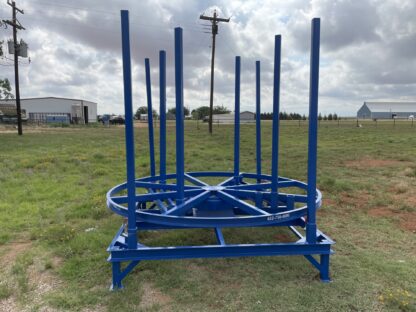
(188, 204)
(250, 209)
(220, 237)
(226, 182)
(195, 180)
(155, 196)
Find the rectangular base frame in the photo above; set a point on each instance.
(120, 253)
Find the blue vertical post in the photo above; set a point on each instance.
(150, 117)
(276, 111)
(180, 161)
(162, 112)
(128, 111)
(258, 125)
(237, 121)
(313, 131)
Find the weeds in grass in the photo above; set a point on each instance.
(334, 185)
(58, 234)
(19, 270)
(401, 187)
(410, 172)
(5, 291)
(399, 299)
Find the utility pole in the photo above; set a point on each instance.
(214, 29)
(16, 25)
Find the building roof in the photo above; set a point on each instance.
(44, 98)
(394, 107)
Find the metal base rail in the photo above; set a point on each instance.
(120, 253)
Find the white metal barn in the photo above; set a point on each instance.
(40, 109)
(387, 110)
(245, 117)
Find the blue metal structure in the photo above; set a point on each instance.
(164, 201)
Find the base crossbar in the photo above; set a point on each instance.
(317, 253)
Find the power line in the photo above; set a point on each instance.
(48, 4)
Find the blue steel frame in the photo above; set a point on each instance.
(164, 201)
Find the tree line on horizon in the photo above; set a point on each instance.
(296, 116)
(198, 113)
(203, 111)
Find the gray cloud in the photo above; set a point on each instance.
(367, 50)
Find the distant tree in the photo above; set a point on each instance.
(266, 116)
(200, 112)
(325, 117)
(335, 116)
(220, 110)
(319, 116)
(330, 117)
(172, 110)
(283, 116)
(5, 88)
(143, 110)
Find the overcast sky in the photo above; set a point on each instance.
(368, 50)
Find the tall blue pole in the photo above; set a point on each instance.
(180, 161)
(313, 131)
(150, 117)
(258, 125)
(237, 121)
(162, 112)
(275, 128)
(128, 111)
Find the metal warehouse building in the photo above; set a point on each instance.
(386, 110)
(42, 109)
(245, 117)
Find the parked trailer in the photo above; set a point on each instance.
(8, 113)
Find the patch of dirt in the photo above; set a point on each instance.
(153, 296)
(43, 281)
(407, 220)
(13, 250)
(328, 202)
(40, 280)
(372, 163)
(9, 305)
(409, 223)
(406, 198)
(382, 212)
(356, 199)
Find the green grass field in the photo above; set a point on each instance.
(55, 226)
